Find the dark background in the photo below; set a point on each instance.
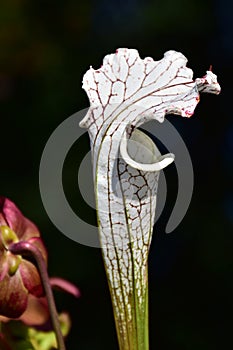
(45, 48)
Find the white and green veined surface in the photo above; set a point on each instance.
(125, 93)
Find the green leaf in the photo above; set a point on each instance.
(21, 337)
(47, 340)
(17, 336)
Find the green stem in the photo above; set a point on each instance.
(131, 315)
(25, 248)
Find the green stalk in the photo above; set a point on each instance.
(130, 310)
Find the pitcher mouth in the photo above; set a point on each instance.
(140, 152)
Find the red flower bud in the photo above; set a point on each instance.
(18, 277)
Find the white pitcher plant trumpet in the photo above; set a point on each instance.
(124, 93)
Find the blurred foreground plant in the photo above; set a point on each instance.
(25, 288)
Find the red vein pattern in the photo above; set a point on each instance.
(125, 93)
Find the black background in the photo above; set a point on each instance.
(45, 48)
